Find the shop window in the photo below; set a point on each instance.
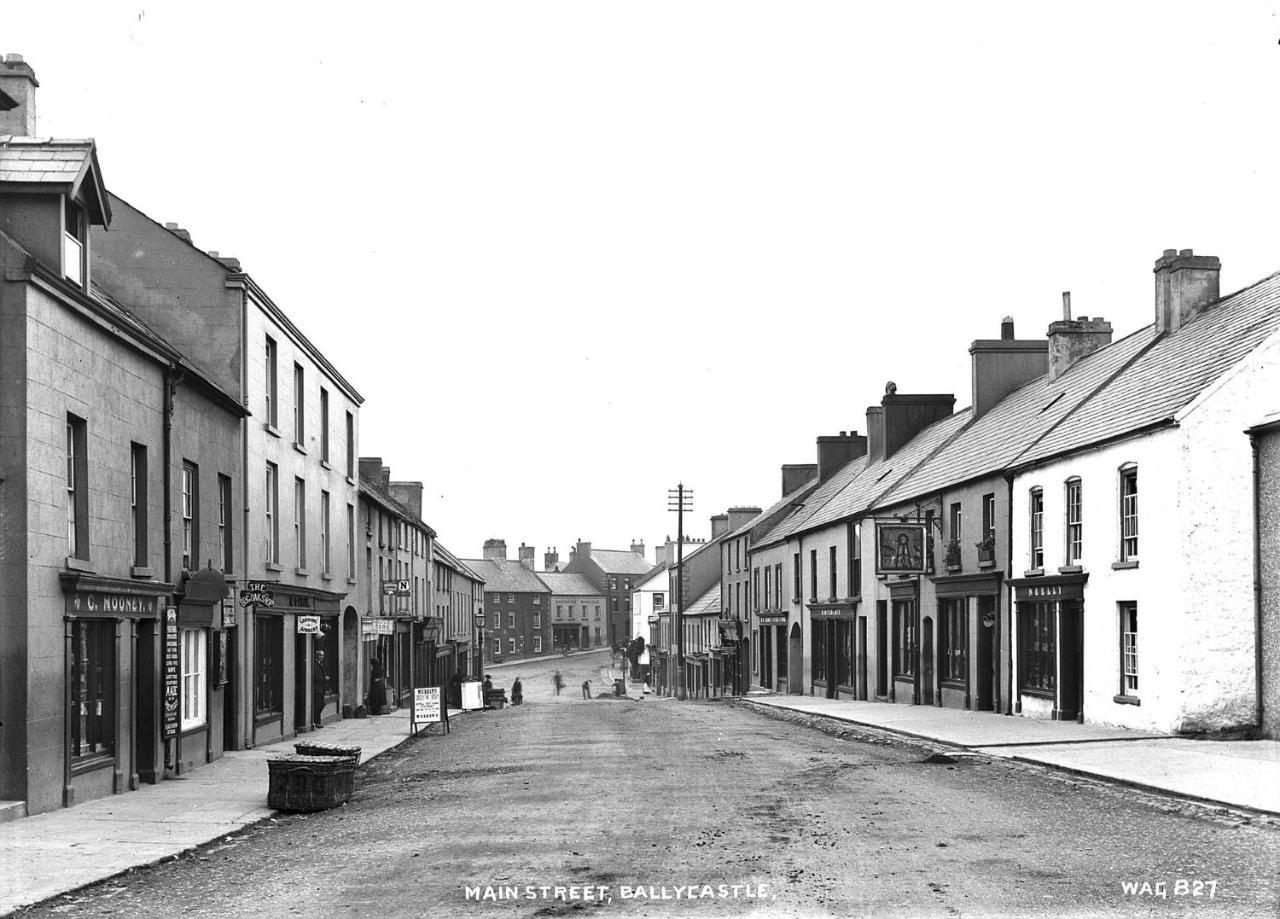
(194, 655)
(954, 640)
(268, 641)
(1039, 663)
(845, 660)
(92, 693)
(819, 651)
(904, 625)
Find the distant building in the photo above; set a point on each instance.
(516, 606)
(578, 620)
(614, 573)
(457, 599)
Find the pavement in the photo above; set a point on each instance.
(59, 851)
(1235, 773)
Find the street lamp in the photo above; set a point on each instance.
(479, 655)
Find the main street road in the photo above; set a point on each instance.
(652, 797)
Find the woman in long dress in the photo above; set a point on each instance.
(377, 686)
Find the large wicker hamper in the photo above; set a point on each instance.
(309, 783)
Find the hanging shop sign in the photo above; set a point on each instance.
(900, 548)
(398, 588)
(258, 592)
(228, 613)
(172, 672)
(308, 625)
(371, 626)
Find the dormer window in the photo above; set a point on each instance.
(73, 237)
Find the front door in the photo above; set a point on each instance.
(1071, 661)
(300, 695)
(862, 658)
(987, 655)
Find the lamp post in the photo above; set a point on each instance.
(679, 499)
(479, 618)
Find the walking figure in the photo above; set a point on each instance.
(517, 692)
(319, 688)
(586, 689)
(377, 686)
(557, 681)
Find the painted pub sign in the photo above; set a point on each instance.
(900, 548)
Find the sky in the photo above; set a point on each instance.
(575, 253)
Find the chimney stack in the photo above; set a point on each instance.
(794, 475)
(178, 231)
(371, 468)
(385, 479)
(17, 97)
(526, 556)
(410, 495)
(1185, 284)
(638, 548)
(719, 525)
(495, 550)
(550, 559)
(583, 550)
(1071, 339)
(835, 451)
(999, 366)
(875, 433)
(906, 416)
(740, 515)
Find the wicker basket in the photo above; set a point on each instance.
(309, 783)
(325, 749)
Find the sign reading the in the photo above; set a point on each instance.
(377, 626)
(396, 588)
(308, 625)
(426, 705)
(258, 592)
(900, 548)
(172, 672)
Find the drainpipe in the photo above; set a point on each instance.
(172, 378)
(1257, 580)
(1000, 618)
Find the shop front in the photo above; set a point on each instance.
(838, 660)
(112, 669)
(735, 670)
(1050, 642)
(969, 641)
(773, 652)
(195, 689)
(377, 635)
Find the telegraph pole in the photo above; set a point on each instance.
(679, 499)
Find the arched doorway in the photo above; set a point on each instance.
(795, 661)
(350, 660)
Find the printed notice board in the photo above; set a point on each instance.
(172, 667)
(426, 705)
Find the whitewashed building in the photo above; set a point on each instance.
(1132, 521)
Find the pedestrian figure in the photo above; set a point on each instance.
(517, 692)
(586, 689)
(377, 686)
(319, 688)
(557, 681)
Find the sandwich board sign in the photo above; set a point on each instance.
(427, 708)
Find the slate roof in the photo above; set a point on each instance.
(568, 584)
(439, 552)
(62, 165)
(1167, 376)
(772, 511)
(859, 484)
(613, 561)
(995, 440)
(374, 490)
(705, 605)
(506, 576)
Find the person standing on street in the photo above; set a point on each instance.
(586, 689)
(377, 686)
(319, 689)
(517, 692)
(557, 681)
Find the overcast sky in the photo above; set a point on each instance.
(573, 253)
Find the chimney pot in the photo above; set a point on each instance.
(1066, 306)
(1170, 253)
(1184, 252)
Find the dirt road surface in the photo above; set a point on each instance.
(628, 802)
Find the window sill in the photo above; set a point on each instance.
(351, 580)
(1125, 565)
(1033, 573)
(1037, 693)
(92, 762)
(271, 429)
(302, 572)
(351, 480)
(83, 565)
(953, 684)
(1071, 569)
(142, 571)
(955, 568)
(1126, 700)
(273, 566)
(299, 448)
(325, 576)
(984, 566)
(324, 464)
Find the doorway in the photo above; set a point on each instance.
(300, 694)
(1071, 662)
(795, 661)
(926, 662)
(882, 648)
(862, 659)
(988, 655)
